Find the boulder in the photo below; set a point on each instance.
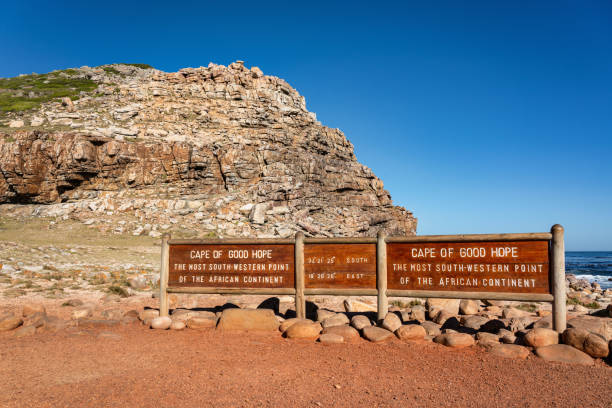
(391, 322)
(185, 314)
(10, 322)
(330, 338)
(509, 351)
(541, 337)
(338, 319)
(574, 337)
(290, 322)
(178, 325)
(455, 340)
(148, 314)
(24, 331)
(248, 319)
(82, 312)
(609, 310)
(442, 317)
(486, 339)
(356, 306)
(596, 346)
(348, 333)
(198, 323)
(432, 329)
(594, 324)
(411, 332)
(450, 305)
(161, 323)
(468, 307)
(506, 336)
(417, 313)
(474, 322)
(33, 308)
(360, 321)
(544, 323)
(323, 314)
(376, 334)
(512, 312)
(516, 324)
(564, 354)
(303, 330)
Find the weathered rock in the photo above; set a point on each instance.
(540, 337)
(544, 323)
(184, 314)
(161, 323)
(391, 322)
(411, 332)
(148, 314)
(564, 354)
(455, 340)
(356, 306)
(360, 321)
(24, 331)
(348, 333)
(198, 323)
(97, 323)
(574, 337)
(474, 322)
(290, 322)
(323, 314)
(32, 308)
(432, 329)
(376, 334)
(112, 314)
(82, 312)
(338, 319)
(330, 338)
(468, 307)
(509, 351)
(417, 313)
(442, 316)
(596, 346)
(73, 302)
(303, 330)
(449, 305)
(512, 312)
(486, 339)
(178, 325)
(506, 336)
(516, 324)
(248, 319)
(594, 324)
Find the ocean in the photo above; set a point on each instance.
(593, 266)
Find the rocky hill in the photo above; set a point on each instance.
(210, 151)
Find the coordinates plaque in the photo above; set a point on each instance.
(232, 266)
(515, 267)
(341, 266)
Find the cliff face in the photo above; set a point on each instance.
(219, 149)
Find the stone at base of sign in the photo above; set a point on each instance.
(564, 354)
(455, 340)
(348, 333)
(248, 319)
(303, 330)
(541, 337)
(391, 322)
(330, 338)
(161, 323)
(177, 325)
(360, 321)
(376, 334)
(509, 351)
(356, 306)
(337, 319)
(290, 322)
(411, 332)
(198, 323)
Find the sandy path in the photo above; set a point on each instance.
(145, 368)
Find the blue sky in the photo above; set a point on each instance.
(480, 118)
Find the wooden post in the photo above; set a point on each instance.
(163, 276)
(381, 275)
(300, 300)
(558, 279)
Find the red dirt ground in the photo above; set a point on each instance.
(144, 368)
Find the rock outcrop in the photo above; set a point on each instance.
(226, 149)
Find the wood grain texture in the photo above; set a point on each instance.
(232, 266)
(502, 267)
(342, 266)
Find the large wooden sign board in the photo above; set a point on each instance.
(526, 267)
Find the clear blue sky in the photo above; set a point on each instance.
(491, 117)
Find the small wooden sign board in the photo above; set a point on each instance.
(527, 267)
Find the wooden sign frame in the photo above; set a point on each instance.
(556, 271)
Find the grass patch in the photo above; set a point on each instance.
(27, 92)
(111, 70)
(527, 307)
(143, 66)
(118, 290)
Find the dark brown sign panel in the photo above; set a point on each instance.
(341, 266)
(515, 267)
(232, 266)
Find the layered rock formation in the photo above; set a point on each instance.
(225, 150)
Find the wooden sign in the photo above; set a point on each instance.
(341, 266)
(511, 267)
(232, 266)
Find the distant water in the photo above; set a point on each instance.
(593, 266)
